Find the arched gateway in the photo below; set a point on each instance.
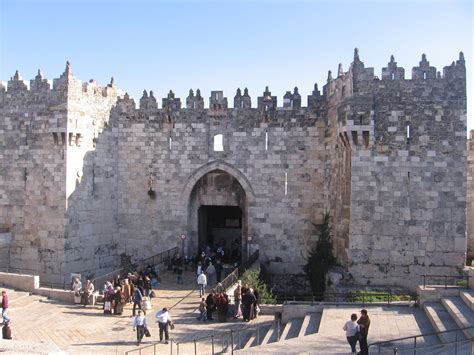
(217, 198)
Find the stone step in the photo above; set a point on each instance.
(242, 339)
(271, 335)
(261, 332)
(461, 313)
(294, 325)
(285, 330)
(251, 340)
(468, 298)
(310, 324)
(440, 320)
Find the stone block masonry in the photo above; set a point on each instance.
(386, 157)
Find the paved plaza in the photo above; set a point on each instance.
(49, 326)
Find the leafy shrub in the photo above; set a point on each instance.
(253, 279)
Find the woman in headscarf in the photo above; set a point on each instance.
(248, 300)
(118, 301)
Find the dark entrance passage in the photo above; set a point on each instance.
(221, 227)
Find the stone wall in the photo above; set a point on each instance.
(86, 176)
(470, 197)
(409, 182)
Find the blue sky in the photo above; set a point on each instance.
(222, 45)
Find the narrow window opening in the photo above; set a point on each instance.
(355, 138)
(408, 176)
(170, 140)
(266, 107)
(361, 119)
(55, 139)
(63, 138)
(408, 134)
(365, 138)
(424, 75)
(70, 138)
(78, 139)
(241, 104)
(343, 93)
(286, 184)
(219, 106)
(194, 104)
(218, 143)
(266, 140)
(393, 76)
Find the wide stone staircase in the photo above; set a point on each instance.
(452, 313)
(273, 332)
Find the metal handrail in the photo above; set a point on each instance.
(390, 342)
(367, 297)
(229, 333)
(445, 279)
(16, 270)
(440, 345)
(97, 281)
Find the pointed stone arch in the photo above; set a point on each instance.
(192, 203)
(217, 165)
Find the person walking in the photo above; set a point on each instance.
(202, 282)
(219, 269)
(137, 300)
(164, 321)
(238, 299)
(211, 272)
(352, 329)
(139, 324)
(5, 317)
(364, 324)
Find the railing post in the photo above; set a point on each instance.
(171, 347)
(195, 347)
(456, 344)
(177, 348)
(154, 349)
(414, 350)
(232, 341)
(212, 343)
(278, 330)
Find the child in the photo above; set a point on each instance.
(202, 310)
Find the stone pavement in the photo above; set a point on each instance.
(78, 330)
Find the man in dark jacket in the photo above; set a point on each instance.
(211, 304)
(364, 324)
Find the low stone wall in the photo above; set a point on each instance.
(19, 281)
(30, 283)
(434, 294)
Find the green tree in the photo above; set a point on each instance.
(321, 258)
(253, 279)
